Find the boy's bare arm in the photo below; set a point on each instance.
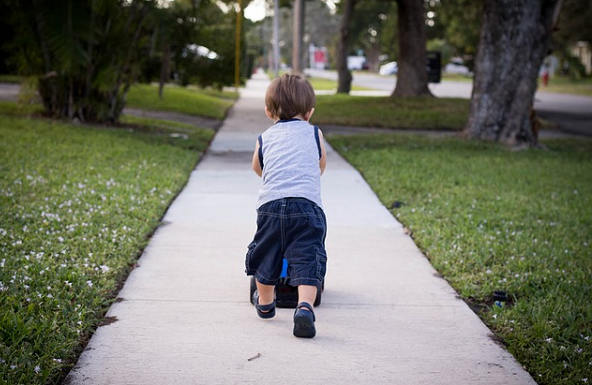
(323, 160)
(256, 165)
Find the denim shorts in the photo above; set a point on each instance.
(294, 229)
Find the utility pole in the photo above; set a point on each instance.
(276, 43)
(298, 32)
(237, 39)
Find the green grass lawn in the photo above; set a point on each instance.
(320, 84)
(77, 206)
(492, 219)
(208, 103)
(385, 112)
(568, 86)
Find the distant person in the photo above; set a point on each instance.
(545, 75)
(290, 156)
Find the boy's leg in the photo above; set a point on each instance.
(266, 293)
(307, 293)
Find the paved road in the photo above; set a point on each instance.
(573, 113)
(9, 92)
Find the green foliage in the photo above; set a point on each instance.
(77, 205)
(418, 112)
(12, 79)
(85, 53)
(461, 21)
(369, 26)
(203, 23)
(19, 109)
(491, 219)
(574, 22)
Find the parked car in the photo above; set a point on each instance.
(457, 67)
(356, 63)
(388, 68)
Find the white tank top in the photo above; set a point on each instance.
(289, 154)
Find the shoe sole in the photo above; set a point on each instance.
(304, 326)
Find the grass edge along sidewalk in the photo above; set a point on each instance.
(78, 204)
(492, 219)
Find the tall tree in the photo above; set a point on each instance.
(344, 77)
(514, 41)
(412, 79)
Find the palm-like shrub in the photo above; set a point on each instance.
(85, 53)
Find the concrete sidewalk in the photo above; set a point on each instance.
(385, 318)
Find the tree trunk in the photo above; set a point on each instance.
(412, 78)
(344, 77)
(164, 68)
(514, 41)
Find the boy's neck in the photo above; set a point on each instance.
(297, 117)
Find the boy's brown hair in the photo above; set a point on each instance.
(289, 96)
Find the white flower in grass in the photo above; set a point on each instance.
(89, 283)
(37, 369)
(549, 340)
(104, 268)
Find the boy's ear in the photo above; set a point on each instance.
(308, 115)
(268, 114)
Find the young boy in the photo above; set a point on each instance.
(290, 156)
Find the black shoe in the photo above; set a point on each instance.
(264, 311)
(304, 320)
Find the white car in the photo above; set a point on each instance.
(457, 67)
(388, 68)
